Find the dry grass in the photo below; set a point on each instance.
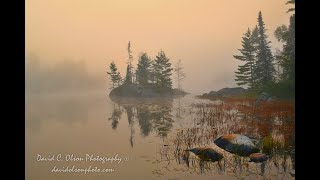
(268, 122)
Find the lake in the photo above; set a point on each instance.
(88, 136)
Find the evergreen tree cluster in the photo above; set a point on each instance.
(162, 71)
(258, 70)
(149, 73)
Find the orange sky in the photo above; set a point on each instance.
(203, 33)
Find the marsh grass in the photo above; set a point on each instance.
(270, 124)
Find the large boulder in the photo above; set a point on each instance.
(237, 144)
(206, 154)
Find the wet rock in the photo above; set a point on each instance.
(237, 144)
(206, 154)
(258, 157)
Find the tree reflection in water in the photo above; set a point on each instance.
(115, 116)
(271, 126)
(151, 116)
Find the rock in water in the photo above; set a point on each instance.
(237, 144)
(206, 154)
(258, 157)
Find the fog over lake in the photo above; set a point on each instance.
(75, 131)
(203, 34)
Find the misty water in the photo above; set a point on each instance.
(149, 137)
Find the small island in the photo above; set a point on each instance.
(151, 80)
(127, 93)
(136, 91)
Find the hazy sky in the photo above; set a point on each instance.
(204, 34)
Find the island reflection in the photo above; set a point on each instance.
(182, 126)
(151, 115)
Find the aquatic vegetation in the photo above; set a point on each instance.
(269, 127)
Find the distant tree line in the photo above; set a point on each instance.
(62, 76)
(150, 72)
(258, 71)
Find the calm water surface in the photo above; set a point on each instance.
(149, 137)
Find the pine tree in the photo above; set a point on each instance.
(264, 67)
(255, 43)
(255, 40)
(286, 57)
(115, 76)
(119, 79)
(129, 76)
(245, 73)
(162, 71)
(180, 75)
(143, 71)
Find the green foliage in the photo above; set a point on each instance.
(245, 74)
(286, 58)
(282, 89)
(281, 33)
(265, 70)
(143, 71)
(258, 69)
(128, 78)
(262, 72)
(151, 73)
(129, 75)
(162, 71)
(115, 76)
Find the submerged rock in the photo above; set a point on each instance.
(206, 154)
(237, 144)
(258, 157)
